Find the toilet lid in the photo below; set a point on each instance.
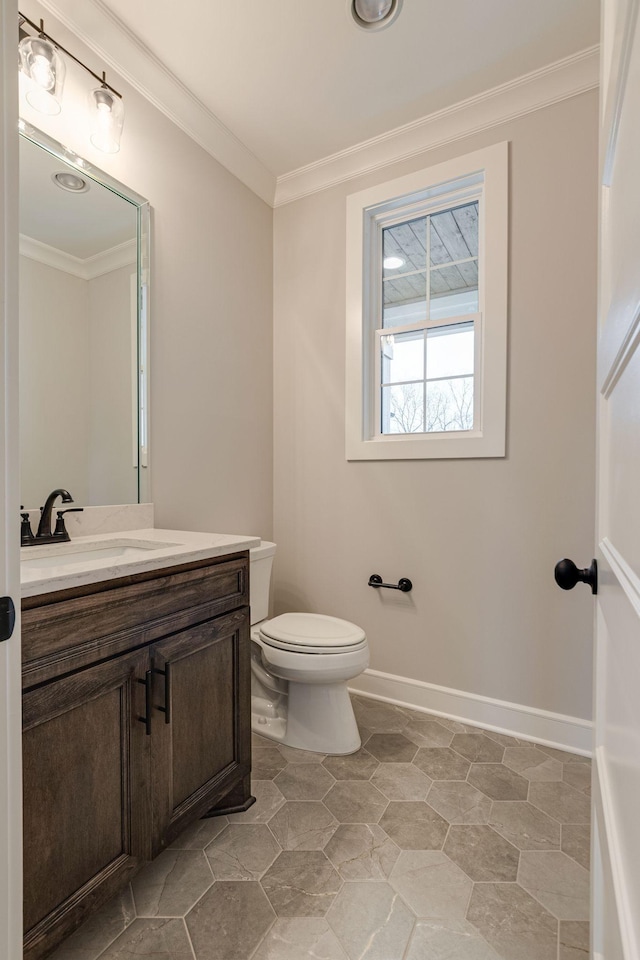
(312, 630)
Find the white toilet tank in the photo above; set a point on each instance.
(261, 561)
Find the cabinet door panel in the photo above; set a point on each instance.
(205, 748)
(85, 763)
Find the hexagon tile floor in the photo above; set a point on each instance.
(436, 841)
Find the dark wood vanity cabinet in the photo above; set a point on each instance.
(136, 711)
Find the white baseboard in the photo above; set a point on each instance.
(513, 719)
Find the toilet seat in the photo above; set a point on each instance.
(312, 633)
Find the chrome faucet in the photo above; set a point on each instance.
(44, 534)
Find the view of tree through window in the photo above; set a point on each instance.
(429, 284)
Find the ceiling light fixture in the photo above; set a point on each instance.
(374, 14)
(44, 68)
(70, 181)
(392, 263)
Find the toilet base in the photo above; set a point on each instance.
(319, 718)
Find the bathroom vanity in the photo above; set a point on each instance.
(136, 715)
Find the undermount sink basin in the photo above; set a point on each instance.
(66, 554)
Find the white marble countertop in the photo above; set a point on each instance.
(137, 554)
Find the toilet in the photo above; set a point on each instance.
(300, 666)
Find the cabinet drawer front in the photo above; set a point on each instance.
(68, 630)
(86, 816)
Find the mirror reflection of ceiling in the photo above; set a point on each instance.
(82, 225)
(296, 80)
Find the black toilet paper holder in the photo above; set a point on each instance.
(403, 584)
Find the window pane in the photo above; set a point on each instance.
(404, 272)
(454, 234)
(450, 351)
(403, 408)
(402, 357)
(449, 405)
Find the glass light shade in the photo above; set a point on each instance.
(107, 119)
(45, 70)
(372, 11)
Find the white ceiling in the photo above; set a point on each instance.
(83, 224)
(296, 80)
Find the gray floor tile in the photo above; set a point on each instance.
(268, 801)
(300, 938)
(295, 755)
(573, 940)
(498, 782)
(304, 781)
(171, 884)
(482, 853)
(361, 851)
(523, 825)
(89, 941)
(153, 940)
(230, 921)
(431, 884)
(557, 882)
(301, 883)
(563, 755)
(428, 733)
(561, 801)
(267, 762)
(477, 747)
(355, 801)
(244, 851)
(200, 834)
(532, 764)
(356, 766)
(391, 748)
(414, 825)
(441, 763)
(513, 923)
(576, 842)
(448, 940)
(459, 802)
(379, 717)
(371, 921)
(401, 781)
(578, 775)
(303, 825)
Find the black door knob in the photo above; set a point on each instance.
(567, 575)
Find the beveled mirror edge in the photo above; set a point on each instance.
(73, 159)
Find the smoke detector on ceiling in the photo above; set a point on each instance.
(374, 14)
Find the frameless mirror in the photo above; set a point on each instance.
(84, 264)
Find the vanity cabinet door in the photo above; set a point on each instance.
(201, 748)
(86, 802)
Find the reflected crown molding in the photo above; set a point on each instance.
(88, 268)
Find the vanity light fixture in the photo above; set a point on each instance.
(44, 67)
(374, 14)
(392, 263)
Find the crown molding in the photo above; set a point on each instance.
(125, 254)
(558, 81)
(104, 33)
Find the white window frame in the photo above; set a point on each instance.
(482, 175)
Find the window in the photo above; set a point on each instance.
(426, 312)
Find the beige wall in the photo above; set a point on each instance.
(211, 310)
(479, 538)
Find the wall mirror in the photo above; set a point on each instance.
(84, 284)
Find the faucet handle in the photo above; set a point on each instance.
(60, 529)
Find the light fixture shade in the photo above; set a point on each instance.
(45, 71)
(374, 14)
(107, 119)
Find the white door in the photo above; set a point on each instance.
(616, 899)
(10, 705)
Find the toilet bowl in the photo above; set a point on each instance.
(300, 666)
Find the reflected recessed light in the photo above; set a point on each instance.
(392, 263)
(70, 181)
(374, 14)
